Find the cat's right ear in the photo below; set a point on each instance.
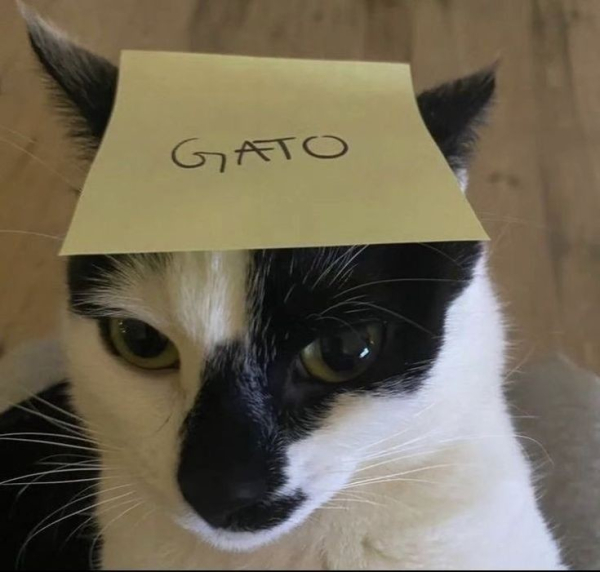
(84, 82)
(453, 113)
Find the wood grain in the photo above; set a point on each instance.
(535, 182)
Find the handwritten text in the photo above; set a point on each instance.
(187, 156)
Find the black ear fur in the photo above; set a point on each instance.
(84, 82)
(453, 111)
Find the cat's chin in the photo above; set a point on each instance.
(233, 541)
(243, 541)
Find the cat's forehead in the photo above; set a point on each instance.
(200, 276)
(209, 298)
(216, 297)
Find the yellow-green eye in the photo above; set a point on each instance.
(343, 355)
(141, 344)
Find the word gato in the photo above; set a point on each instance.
(317, 146)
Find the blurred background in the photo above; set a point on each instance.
(534, 182)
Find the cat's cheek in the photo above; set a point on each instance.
(135, 418)
(360, 431)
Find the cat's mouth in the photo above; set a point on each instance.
(260, 516)
(252, 526)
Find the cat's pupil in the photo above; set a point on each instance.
(347, 350)
(141, 339)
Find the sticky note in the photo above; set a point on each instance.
(219, 152)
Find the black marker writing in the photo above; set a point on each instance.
(201, 159)
(183, 154)
(310, 151)
(250, 147)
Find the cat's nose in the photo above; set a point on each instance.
(217, 502)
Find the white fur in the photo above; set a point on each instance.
(452, 488)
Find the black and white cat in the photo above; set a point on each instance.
(322, 408)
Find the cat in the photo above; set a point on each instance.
(310, 408)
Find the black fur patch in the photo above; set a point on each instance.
(58, 547)
(454, 111)
(253, 402)
(232, 458)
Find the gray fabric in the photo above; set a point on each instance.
(558, 404)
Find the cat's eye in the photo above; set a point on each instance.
(342, 355)
(142, 345)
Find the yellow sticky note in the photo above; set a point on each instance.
(213, 152)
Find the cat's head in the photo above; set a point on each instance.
(240, 391)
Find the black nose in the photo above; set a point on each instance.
(230, 457)
(217, 500)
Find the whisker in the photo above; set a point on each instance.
(393, 460)
(399, 433)
(88, 480)
(108, 525)
(498, 239)
(40, 434)
(40, 442)
(394, 480)
(43, 473)
(327, 506)
(289, 292)
(406, 445)
(95, 485)
(396, 315)
(349, 302)
(403, 473)
(441, 253)
(63, 411)
(35, 532)
(41, 462)
(87, 463)
(142, 518)
(94, 516)
(342, 499)
(330, 267)
(393, 280)
(380, 441)
(348, 262)
(41, 162)
(339, 500)
(343, 322)
(64, 456)
(473, 438)
(388, 498)
(81, 432)
(19, 134)
(31, 233)
(64, 425)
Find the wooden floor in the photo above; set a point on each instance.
(535, 183)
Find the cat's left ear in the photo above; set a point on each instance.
(454, 111)
(84, 82)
